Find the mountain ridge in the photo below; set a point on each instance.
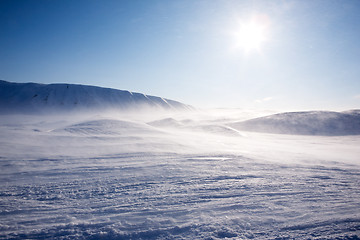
(37, 97)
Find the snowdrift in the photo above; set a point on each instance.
(193, 126)
(34, 98)
(322, 123)
(107, 127)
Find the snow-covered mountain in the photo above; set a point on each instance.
(305, 123)
(33, 97)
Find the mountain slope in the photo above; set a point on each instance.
(33, 97)
(305, 123)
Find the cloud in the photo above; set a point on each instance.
(264, 100)
(357, 96)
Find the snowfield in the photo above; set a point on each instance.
(177, 176)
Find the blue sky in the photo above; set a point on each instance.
(188, 50)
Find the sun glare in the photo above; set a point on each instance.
(251, 35)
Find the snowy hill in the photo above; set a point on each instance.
(305, 123)
(33, 97)
(107, 127)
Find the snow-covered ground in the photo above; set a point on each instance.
(173, 176)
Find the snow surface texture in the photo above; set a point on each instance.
(34, 98)
(305, 123)
(173, 176)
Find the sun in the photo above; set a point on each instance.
(251, 35)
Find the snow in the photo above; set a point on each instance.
(183, 175)
(305, 123)
(83, 162)
(31, 98)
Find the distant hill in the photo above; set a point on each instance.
(34, 98)
(321, 123)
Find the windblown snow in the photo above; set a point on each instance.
(173, 175)
(305, 123)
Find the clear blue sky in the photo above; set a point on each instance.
(188, 50)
